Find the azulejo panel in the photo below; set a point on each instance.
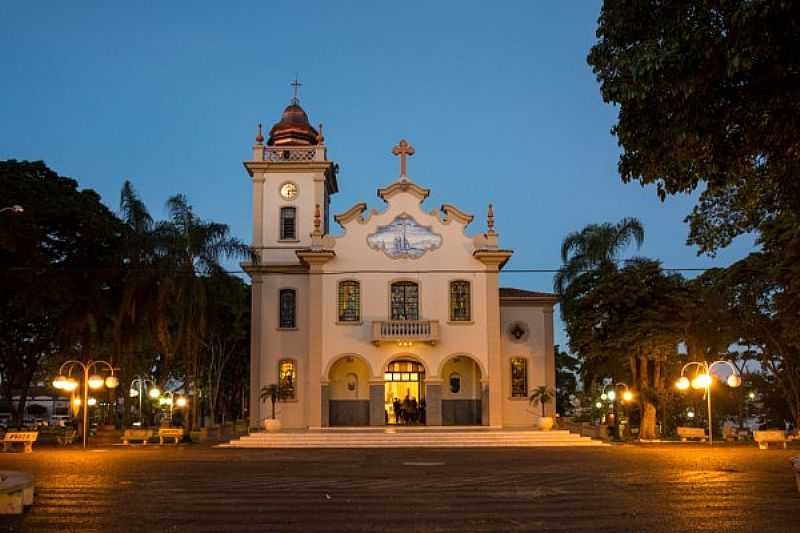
(404, 238)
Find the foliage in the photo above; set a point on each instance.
(566, 380)
(596, 247)
(707, 94)
(541, 395)
(59, 262)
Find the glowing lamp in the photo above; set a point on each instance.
(69, 385)
(604, 396)
(181, 402)
(59, 382)
(682, 383)
(166, 400)
(752, 395)
(112, 382)
(690, 414)
(627, 396)
(133, 393)
(599, 405)
(701, 381)
(154, 393)
(96, 382)
(734, 381)
(92, 402)
(76, 402)
(611, 395)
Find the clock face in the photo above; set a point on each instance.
(289, 191)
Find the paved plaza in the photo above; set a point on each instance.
(199, 488)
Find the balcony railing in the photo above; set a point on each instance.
(405, 331)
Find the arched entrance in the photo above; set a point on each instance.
(404, 392)
(462, 392)
(348, 392)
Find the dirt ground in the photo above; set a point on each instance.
(675, 487)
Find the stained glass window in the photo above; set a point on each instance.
(288, 225)
(519, 377)
(287, 378)
(349, 301)
(288, 308)
(459, 301)
(405, 300)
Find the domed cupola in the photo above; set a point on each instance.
(293, 128)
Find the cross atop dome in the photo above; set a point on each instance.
(296, 86)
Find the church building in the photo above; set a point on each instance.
(397, 317)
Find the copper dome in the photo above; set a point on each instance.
(293, 128)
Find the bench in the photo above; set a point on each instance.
(26, 438)
(763, 438)
(16, 491)
(170, 433)
(68, 437)
(136, 434)
(686, 433)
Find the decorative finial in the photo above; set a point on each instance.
(320, 136)
(259, 135)
(296, 84)
(403, 149)
(490, 220)
(317, 219)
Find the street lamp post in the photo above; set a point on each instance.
(13, 209)
(94, 382)
(169, 399)
(703, 380)
(140, 383)
(611, 395)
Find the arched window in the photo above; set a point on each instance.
(405, 300)
(288, 224)
(460, 301)
(287, 378)
(288, 308)
(349, 301)
(519, 377)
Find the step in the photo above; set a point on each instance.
(416, 439)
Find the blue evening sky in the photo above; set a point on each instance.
(496, 97)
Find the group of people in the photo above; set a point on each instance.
(408, 411)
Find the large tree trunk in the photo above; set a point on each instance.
(647, 428)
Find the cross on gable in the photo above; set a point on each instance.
(403, 149)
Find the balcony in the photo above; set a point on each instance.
(405, 331)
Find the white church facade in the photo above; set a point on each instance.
(396, 318)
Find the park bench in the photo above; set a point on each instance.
(26, 438)
(67, 437)
(170, 433)
(763, 438)
(686, 433)
(136, 434)
(16, 491)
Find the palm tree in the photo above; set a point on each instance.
(274, 393)
(540, 396)
(596, 247)
(192, 248)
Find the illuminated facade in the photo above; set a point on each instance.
(396, 318)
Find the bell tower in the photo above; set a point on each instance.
(291, 176)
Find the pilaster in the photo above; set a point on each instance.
(256, 351)
(433, 402)
(377, 409)
(549, 357)
(494, 259)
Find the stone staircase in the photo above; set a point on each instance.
(411, 438)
